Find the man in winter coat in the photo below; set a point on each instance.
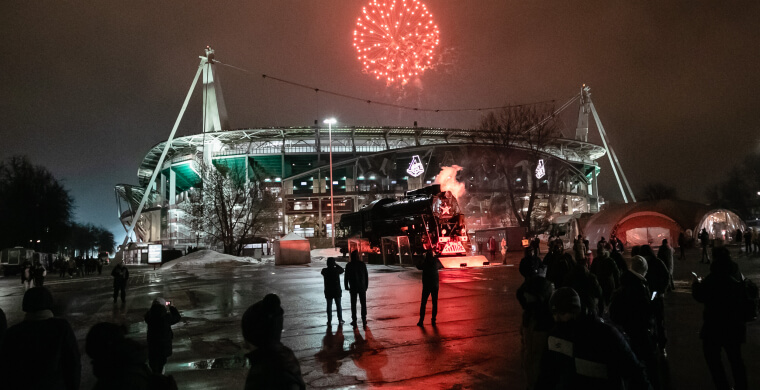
(659, 284)
(333, 292)
(534, 295)
(273, 365)
(160, 318)
(120, 275)
(529, 264)
(704, 240)
(631, 309)
(723, 327)
(586, 353)
(584, 283)
(748, 241)
(356, 282)
(40, 352)
(608, 276)
(429, 267)
(38, 274)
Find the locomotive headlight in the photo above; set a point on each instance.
(443, 231)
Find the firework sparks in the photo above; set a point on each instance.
(395, 39)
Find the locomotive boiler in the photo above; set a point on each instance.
(429, 217)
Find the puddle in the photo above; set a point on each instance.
(233, 362)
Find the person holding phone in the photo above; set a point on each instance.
(160, 318)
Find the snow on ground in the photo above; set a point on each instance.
(206, 258)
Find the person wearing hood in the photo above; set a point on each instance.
(120, 275)
(40, 352)
(631, 309)
(429, 268)
(273, 365)
(160, 318)
(356, 281)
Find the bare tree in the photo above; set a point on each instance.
(521, 134)
(231, 205)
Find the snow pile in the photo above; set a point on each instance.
(210, 259)
(321, 255)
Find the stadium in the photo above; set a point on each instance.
(368, 163)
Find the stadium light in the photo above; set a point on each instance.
(330, 122)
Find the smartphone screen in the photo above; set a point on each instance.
(168, 303)
(654, 294)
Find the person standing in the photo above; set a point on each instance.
(534, 295)
(704, 240)
(600, 246)
(748, 241)
(579, 249)
(665, 253)
(333, 292)
(723, 327)
(492, 248)
(160, 318)
(38, 274)
(682, 246)
(27, 275)
(273, 365)
(429, 267)
(120, 275)
(40, 352)
(503, 247)
(658, 278)
(356, 282)
(608, 276)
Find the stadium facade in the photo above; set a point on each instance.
(367, 163)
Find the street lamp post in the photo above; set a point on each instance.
(330, 122)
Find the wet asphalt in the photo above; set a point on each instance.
(476, 343)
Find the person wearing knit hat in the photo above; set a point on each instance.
(273, 365)
(639, 265)
(333, 291)
(584, 352)
(40, 352)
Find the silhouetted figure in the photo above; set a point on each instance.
(704, 240)
(356, 282)
(273, 365)
(160, 318)
(119, 363)
(534, 295)
(492, 247)
(682, 246)
(723, 327)
(600, 246)
(585, 285)
(38, 273)
(579, 249)
(665, 254)
(631, 309)
(748, 242)
(586, 353)
(529, 264)
(40, 352)
(608, 276)
(619, 261)
(503, 249)
(535, 245)
(558, 267)
(659, 283)
(27, 275)
(429, 267)
(120, 275)
(333, 292)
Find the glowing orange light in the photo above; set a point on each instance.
(394, 39)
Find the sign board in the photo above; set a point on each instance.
(452, 247)
(415, 167)
(154, 253)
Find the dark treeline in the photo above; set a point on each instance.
(36, 212)
(740, 190)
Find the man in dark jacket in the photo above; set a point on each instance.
(333, 292)
(160, 318)
(586, 353)
(529, 264)
(120, 275)
(429, 267)
(658, 278)
(38, 273)
(631, 309)
(356, 282)
(704, 240)
(608, 276)
(723, 327)
(534, 295)
(273, 365)
(40, 352)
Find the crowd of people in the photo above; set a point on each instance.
(599, 322)
(588, 322)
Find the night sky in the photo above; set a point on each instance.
(89, 86)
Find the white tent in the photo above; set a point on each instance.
(721, 223)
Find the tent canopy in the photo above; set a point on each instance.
(721, 223)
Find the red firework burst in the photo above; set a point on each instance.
(395, 39)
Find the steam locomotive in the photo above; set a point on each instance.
(429, 217)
